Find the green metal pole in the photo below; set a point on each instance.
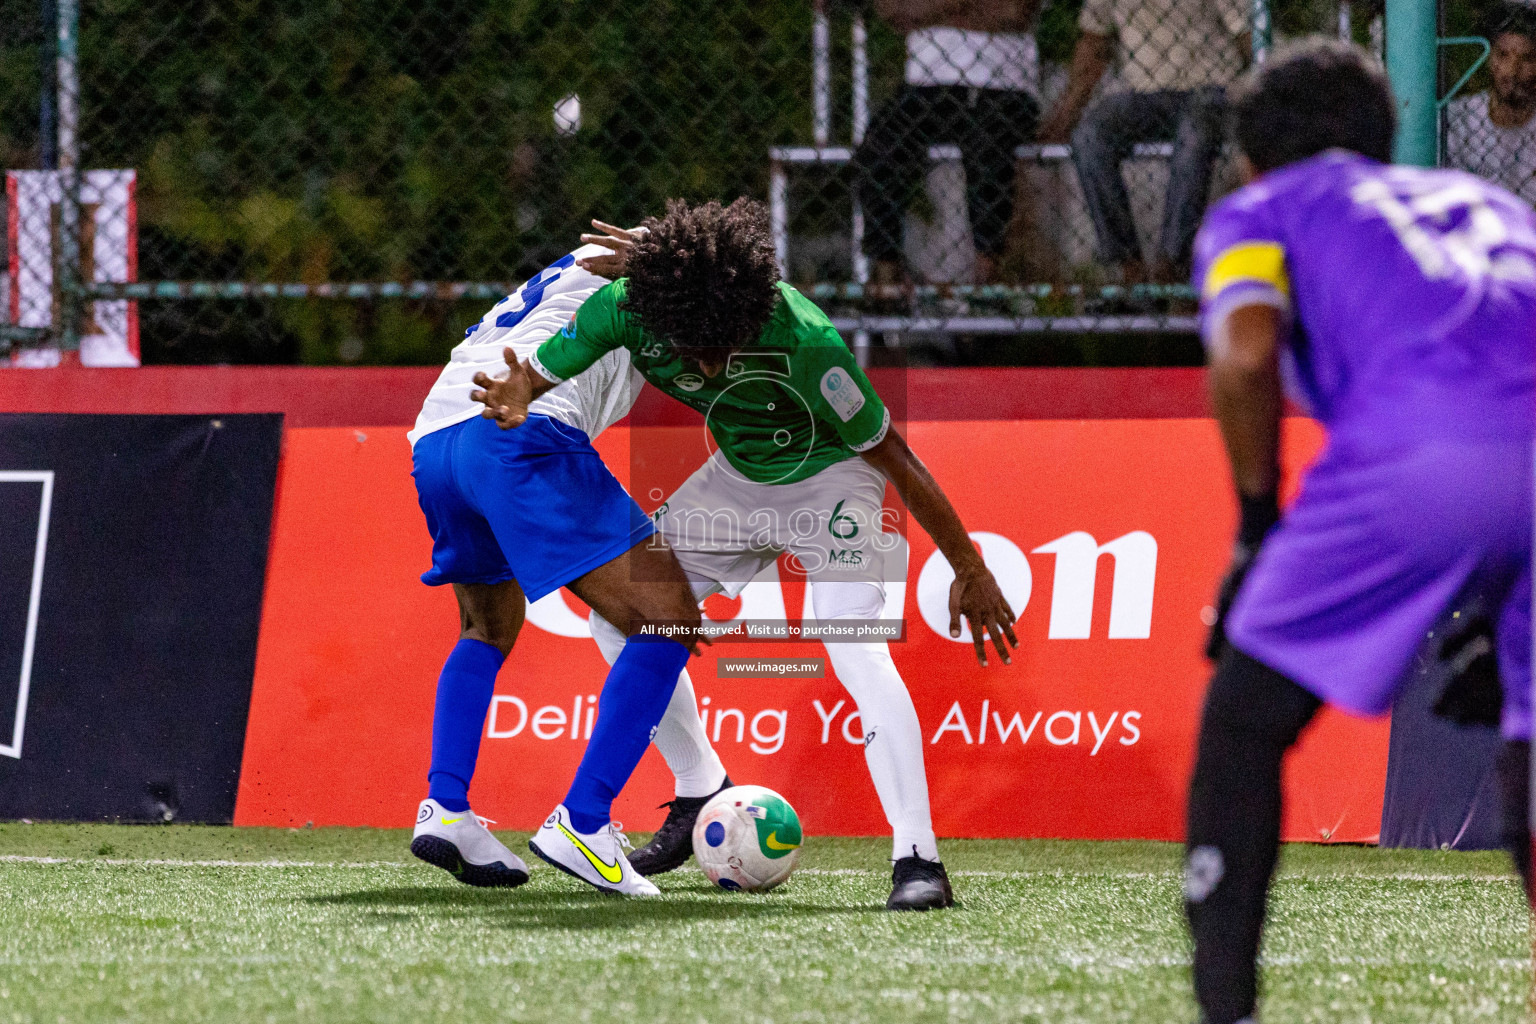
(1259, 15)
(1411, 63)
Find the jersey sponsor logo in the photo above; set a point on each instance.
(569, 330)
(841, 393)
(688, 381)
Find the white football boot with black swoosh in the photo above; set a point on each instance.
(460, 844)
(597, 859)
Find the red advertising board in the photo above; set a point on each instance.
(1109, 536)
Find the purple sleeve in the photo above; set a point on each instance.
(1240, 259)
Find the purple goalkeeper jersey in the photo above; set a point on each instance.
(1410, 296)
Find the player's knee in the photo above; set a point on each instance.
(502, 638)
(501, 630)
(672, 609)
(495, 622)
(1248, 699)
(836, 599)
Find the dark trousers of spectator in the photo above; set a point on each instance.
(987, 125)
(1108, 133)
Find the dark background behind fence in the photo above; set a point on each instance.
(321, 141)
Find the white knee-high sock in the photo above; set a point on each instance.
(680, 735)
(893, 737)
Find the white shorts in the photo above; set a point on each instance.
(727, 529)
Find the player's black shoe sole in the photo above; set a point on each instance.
(918, 884)
(672, 845)
(439, 852)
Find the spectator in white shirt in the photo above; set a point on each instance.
(1493, 133)
(971, 79)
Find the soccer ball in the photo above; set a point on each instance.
(747, 839)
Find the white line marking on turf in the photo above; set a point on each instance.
(161, 862)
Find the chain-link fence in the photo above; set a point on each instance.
(318, 181)
(1488, 122)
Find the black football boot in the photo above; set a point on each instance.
(672, 845)
(918, 884)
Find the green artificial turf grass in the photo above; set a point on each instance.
(346, 926)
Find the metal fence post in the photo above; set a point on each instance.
(1411, 62)
(821, 77)
(860, 74)
(1261, 30)
(860, 43)
(67, 257)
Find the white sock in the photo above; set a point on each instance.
(893, 746)
(680, 735)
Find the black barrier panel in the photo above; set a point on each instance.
(1442, 792)
(132, 561)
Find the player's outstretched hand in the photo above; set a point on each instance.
(618, 240)
(976, 596)
(505, 399)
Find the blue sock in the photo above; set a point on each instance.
(463, 698)
(635, 696)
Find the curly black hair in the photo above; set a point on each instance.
(1310, 96)
(705, 277)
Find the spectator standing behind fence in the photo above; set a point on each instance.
(1493, 134)
(971, 79)
(1175, 58)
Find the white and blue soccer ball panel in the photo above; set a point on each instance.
(747, 839)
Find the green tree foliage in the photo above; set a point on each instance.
(326, 140)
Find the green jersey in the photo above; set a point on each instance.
(787, 406)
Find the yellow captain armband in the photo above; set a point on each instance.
(1258, 262)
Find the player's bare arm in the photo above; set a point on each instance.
(1090, 60)
(1246, 394)
(506, 399)
(975, 593)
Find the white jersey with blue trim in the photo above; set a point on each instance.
(592, 401)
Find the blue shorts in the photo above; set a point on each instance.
(534, 504)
